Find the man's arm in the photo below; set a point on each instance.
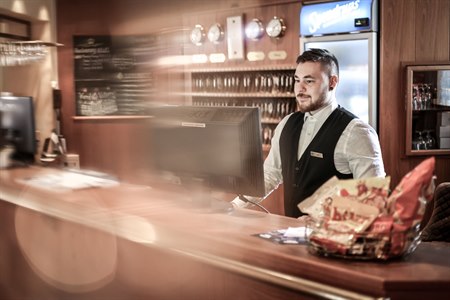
(361, 151)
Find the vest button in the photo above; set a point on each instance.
(294, 185)
(297, 168)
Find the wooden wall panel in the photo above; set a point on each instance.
(411, 30)
(395, 45)
(104, 145)
(432, 29)
(118, 147)
(291, 14)
(288, 10)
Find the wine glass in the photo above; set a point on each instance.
(430, 142)
(419, 142)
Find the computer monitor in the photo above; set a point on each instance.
(219, 148)
(17, 127)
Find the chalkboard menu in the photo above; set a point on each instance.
(112, 74)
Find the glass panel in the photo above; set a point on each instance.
(353, 90)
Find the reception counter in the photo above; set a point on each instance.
(129, 241)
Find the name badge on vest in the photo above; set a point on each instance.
(316, 154)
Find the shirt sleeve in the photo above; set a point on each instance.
(358, 151)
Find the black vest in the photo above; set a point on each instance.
(303, 177)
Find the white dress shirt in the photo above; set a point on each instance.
(357, 150)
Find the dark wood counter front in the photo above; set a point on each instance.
(137, 242)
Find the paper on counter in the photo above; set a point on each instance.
(63, 181)
(290, 235)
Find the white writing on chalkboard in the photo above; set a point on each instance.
(104, 50)
(96, 102)
(113, 75)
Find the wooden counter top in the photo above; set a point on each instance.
(158, 231)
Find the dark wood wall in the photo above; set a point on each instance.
(410, 30)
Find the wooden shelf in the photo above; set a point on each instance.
(243, 69)
(241, 95)
(429, 152)
(435, 108)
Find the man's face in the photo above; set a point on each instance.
(313, 87)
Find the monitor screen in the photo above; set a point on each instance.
(221, 147)
(17, 127)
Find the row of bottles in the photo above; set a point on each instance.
(272, 82)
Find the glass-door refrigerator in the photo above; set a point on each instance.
(348, 29)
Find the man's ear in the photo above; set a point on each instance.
(333, 82)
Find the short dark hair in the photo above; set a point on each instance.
(323, 56)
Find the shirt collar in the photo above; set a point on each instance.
(322, 113)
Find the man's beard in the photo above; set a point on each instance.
(311, 106)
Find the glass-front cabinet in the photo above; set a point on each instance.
(428, 109)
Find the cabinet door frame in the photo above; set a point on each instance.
(410, 68)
